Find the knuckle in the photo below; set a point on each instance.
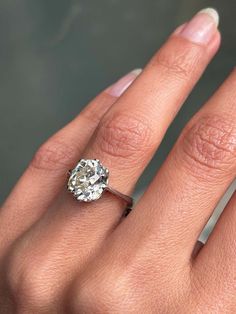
(121, 292)
(210, 144)
(27, 284)
(180, 62)
(122, 135)
(52, 155)
(91, 298)
(106, 295)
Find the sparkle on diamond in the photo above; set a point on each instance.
(88, 180)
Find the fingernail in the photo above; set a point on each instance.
(118, 88)
(202, 27)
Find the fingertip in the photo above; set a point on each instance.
(201, 28)
(213, 13)
(119, 87)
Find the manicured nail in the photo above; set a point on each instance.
(118, 88)
(202, 27)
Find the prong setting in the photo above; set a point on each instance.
(88, 180)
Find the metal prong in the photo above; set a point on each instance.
(69, 173)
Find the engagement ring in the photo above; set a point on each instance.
(89, 179)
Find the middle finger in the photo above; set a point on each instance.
(129, 134)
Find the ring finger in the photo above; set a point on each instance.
(46, 173)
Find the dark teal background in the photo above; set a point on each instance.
(55, 55)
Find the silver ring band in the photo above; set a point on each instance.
(127, 199)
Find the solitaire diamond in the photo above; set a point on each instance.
(88, 180)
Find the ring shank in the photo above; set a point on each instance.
(127, 199)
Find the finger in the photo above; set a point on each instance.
(216, 262)
(130, 132)
(194, 177)
(46, 174)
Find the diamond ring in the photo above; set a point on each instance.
(89, 179)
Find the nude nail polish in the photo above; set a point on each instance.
(118, 88)
(202, 27)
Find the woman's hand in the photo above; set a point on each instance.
(61, 256)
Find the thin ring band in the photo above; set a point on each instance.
(127, 199)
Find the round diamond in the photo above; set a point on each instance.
(88, 180)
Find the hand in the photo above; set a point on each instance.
(63, 256)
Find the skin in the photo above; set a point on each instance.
(61, 256)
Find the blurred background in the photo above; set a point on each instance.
(56, 55)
